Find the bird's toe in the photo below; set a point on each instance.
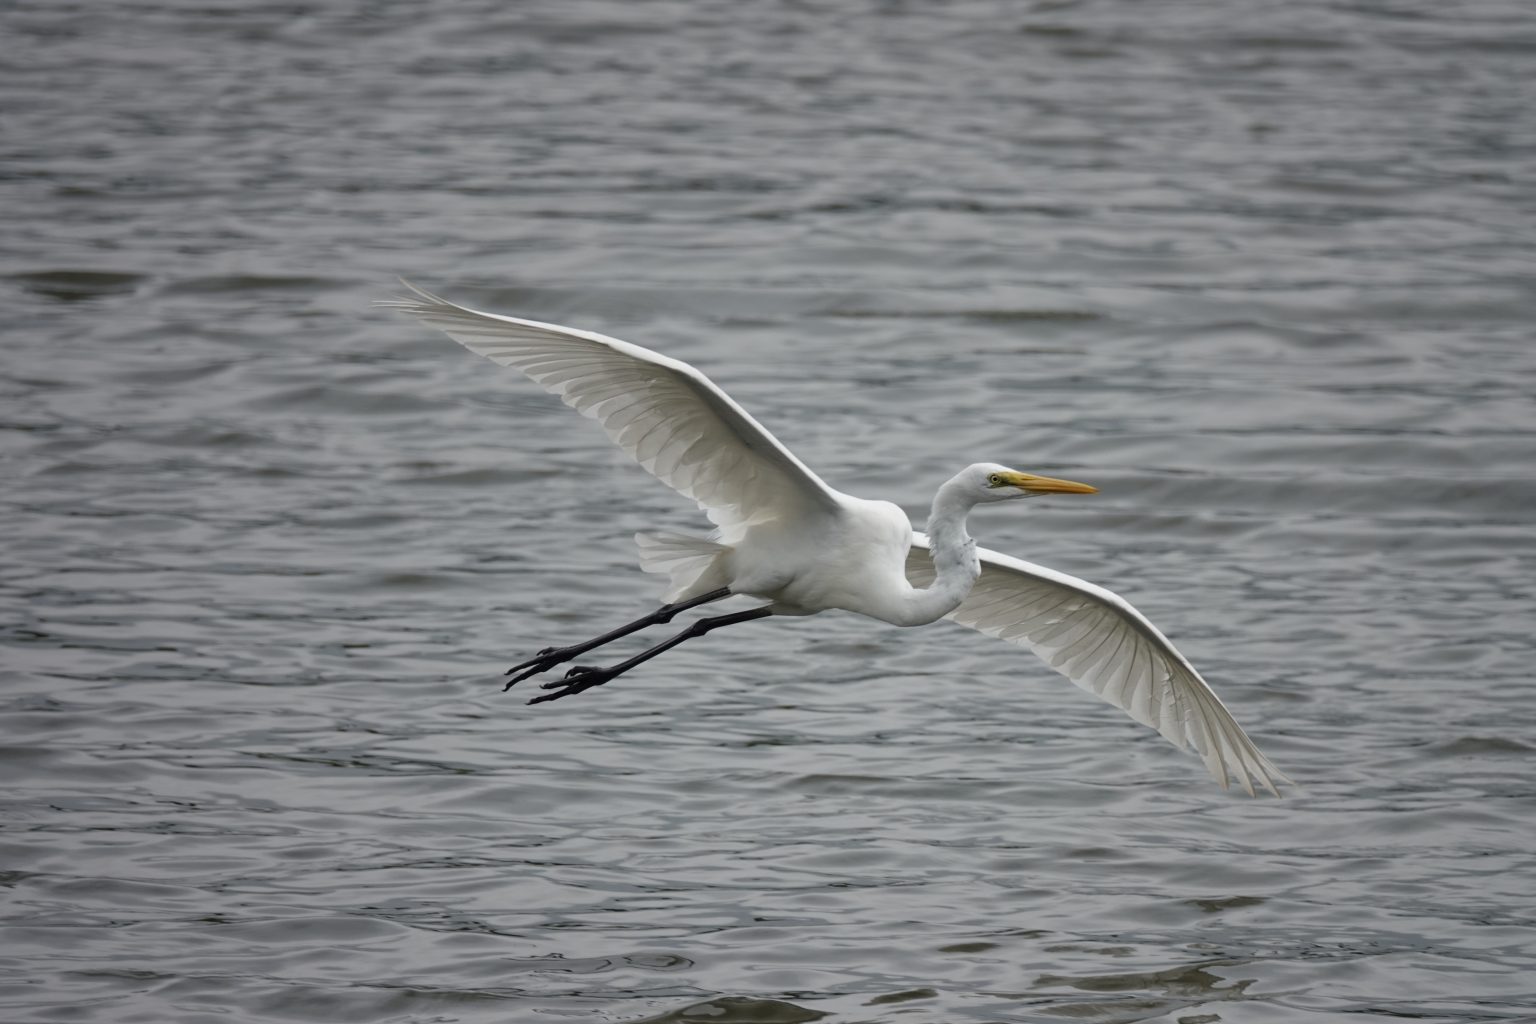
(577, 680)
(545, 660)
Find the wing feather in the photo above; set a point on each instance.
(1096, 639)
(664, 413)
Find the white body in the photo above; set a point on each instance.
(857, 563)
(785, 536)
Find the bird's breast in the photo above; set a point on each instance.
(855, 561)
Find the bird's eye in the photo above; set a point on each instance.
(994, 481)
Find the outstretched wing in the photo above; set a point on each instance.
(1096, 639)
(667, 415)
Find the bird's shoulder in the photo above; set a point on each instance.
(875, 519)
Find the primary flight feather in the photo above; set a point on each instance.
(785, 536)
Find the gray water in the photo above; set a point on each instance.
(1262, 272)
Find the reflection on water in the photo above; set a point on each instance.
(1259, 272)
(737, 1010)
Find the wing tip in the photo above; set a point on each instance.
(423, 302)
(1252, 769)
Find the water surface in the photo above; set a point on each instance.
(1261, 272)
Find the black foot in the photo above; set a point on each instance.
(582, 677)
(545, 660)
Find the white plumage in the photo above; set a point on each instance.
(1096, 638)
(785, 536)
(668, 416)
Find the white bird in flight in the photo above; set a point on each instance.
(785, 536)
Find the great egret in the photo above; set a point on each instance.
(785, 536)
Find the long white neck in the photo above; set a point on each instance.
(954, 558)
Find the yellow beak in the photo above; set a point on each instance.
(1048, 485)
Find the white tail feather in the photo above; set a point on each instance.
(695, 565)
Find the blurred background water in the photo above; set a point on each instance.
(1262, 272)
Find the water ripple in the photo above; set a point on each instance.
(1260, 272)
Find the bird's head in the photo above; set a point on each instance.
(987, 481)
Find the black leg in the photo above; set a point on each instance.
(584, 678)
(549, 657)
